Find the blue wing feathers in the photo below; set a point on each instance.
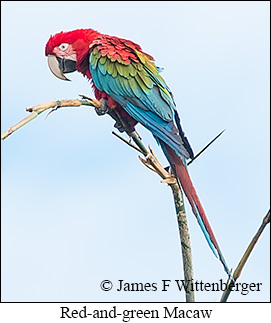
(141, 95)
(144, 95)
(159, 128)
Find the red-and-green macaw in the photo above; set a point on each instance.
(127, 78)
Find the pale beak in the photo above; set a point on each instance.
(58, 66)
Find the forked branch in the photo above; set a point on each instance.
(149, 161)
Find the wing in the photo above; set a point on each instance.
(119, 68)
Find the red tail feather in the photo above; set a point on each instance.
(189, 190)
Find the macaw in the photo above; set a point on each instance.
(127, 79)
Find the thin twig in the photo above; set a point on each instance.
(38, 109)
(126, 141)
(244, 259)
(202, 150)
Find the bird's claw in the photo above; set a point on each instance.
(119, 126)
(103, 109)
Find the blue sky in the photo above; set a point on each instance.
(77, 205)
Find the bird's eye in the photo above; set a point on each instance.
(63, 46)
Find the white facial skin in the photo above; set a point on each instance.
(66, 51)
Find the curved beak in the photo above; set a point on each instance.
(59, 66)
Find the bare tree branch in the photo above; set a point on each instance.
(150, 161)
(244, 259)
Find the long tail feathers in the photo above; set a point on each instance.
(189, 190)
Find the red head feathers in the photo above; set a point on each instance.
(78, 38)
(73, 46)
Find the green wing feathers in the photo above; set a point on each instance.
(120, 68)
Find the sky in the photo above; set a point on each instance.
(79, 208)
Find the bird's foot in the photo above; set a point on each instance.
(103, 109)
(119, 126)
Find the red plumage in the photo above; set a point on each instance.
(189, 190)
(82, 40)
(181, 172)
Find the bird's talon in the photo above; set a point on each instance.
(119, 126)
(103, 109)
